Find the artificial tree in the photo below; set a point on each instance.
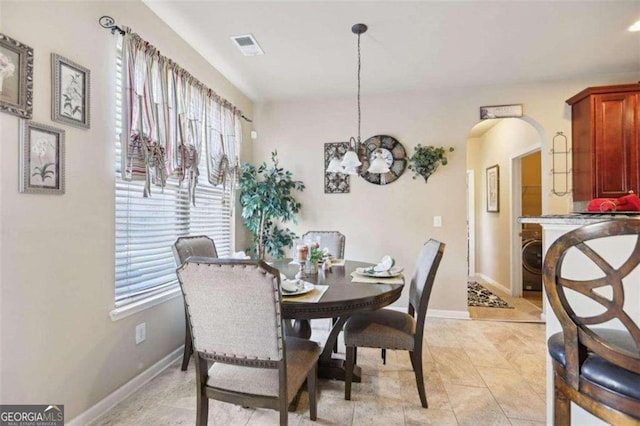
(266, 197)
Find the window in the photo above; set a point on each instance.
(146, 228)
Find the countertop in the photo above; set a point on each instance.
(577, 218)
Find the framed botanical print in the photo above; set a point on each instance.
(16, 77)
(493, 189)
(71, 92)
(41, 159)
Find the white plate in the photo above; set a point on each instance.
(306, 289)
(393, 272)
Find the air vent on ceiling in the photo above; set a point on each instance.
(247, 44)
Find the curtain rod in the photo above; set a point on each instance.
(109, 23)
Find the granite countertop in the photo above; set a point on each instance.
(577, 218)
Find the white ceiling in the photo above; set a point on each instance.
(311, 51)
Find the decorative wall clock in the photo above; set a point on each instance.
(392, 152)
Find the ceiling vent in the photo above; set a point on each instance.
(247, 44)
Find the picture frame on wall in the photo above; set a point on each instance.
(71, 87)
(493, 189)
(41, 159)
(335, 183)
(16, 77)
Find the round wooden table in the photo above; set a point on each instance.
(342, 299)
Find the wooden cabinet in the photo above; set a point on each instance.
(606, 142)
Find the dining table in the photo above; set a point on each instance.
(341, 299)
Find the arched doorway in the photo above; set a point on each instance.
(496, 152)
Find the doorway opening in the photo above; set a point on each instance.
(506, 151)
(529, 197)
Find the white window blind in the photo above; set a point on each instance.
(146, 228)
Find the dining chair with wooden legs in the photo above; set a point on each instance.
(596, 366)
(183, 248)
(389, 329)
(241, 354)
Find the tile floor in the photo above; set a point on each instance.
(476, 373)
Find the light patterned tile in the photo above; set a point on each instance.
(487, 356)
(414, 416)
(475, 406)
(331, 411)
(265, 417)
(455, 366)
(436, 395)
(372, 413)
(515, 396)
(384, 388)
(519, 422)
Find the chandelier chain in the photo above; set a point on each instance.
(359, 112)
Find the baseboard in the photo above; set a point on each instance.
(120, 394)
(494, 283)
(440, 313)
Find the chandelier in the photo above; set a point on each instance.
(351, 161)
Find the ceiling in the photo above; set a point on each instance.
(310, 50)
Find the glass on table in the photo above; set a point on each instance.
(301, 253)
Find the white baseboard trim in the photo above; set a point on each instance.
(120, 394)
(440, 313)
(494, 283)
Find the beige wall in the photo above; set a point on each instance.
(397, 219)
(57, 252)
(505, 140)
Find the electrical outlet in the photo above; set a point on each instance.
(141, 333)
(437, 221)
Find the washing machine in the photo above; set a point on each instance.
(532, 263)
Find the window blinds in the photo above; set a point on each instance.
(147, 227)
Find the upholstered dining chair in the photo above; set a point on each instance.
(389, 329)
(241, 354)
(183, 248)
(596, 367)
(332, 240)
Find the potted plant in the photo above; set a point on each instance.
(426, 159)
(266, 197)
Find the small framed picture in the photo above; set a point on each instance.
(41, 159)
(16, 77)
(71, 92)
(493, 189)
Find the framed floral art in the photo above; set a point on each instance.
(41, 159)
(71, 92)
(16, 77)
(493, 189)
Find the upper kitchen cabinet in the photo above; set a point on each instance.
(606, 146)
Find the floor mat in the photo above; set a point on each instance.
(477, 295)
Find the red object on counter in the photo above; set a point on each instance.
(628, 203)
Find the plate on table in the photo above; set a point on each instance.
(306, 288)
(369, 272)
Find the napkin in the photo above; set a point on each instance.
(357, 278)
(385, 264)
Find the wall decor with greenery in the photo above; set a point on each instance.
(426, 160)
(266, 197)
